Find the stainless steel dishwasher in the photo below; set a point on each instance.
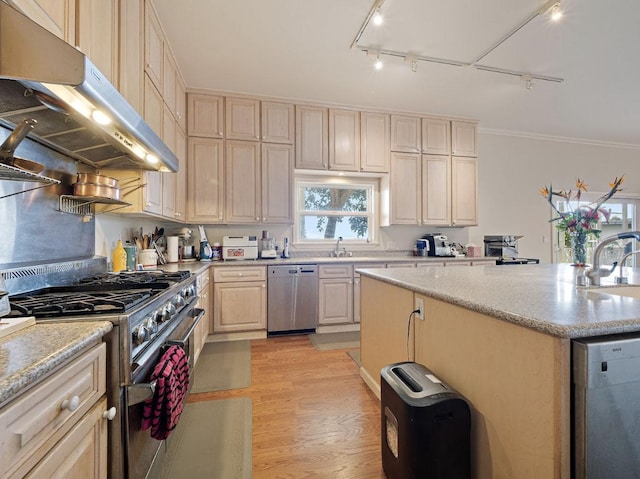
(606, 407)
(292, 298)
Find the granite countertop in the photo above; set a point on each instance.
(540, 297)
(31, 354)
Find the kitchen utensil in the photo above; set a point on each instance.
(96, 179)
(96, 190)
(11, 143)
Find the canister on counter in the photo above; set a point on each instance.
(216, 252)
(131, 256)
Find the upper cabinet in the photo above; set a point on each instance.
(374, 142)
(464, 138)
(242, 119)
(277, 122)
(206, 115)
(57, 16)
(97, 34)
(405, 134)
(312, 137)
(153, 47)
(344, 140)
(131, 52)
(205, 180)
(436, 136)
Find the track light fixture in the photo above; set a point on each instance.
(528, 82)
(377, 18)
(556, 12)
(378, 64)
(412, 61)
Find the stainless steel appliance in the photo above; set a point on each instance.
(606, 407)
(239, 247)
(292, 302)
(149, 311)
(78, 111)
(505, 249)
(438, 245)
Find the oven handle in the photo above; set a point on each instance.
(182, 342)
(137, 393)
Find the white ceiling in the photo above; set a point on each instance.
(300, 49)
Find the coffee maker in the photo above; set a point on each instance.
(438, 245)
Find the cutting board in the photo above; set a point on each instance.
(11, 325)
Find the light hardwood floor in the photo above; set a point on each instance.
(313, 417)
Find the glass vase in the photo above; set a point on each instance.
(579, 248)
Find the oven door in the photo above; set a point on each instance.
(144, 453)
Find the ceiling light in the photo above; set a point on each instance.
(378, 64)
(556, 12)
(377, 18)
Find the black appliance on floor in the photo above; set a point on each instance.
(426, 425)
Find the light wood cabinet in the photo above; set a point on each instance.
(277, 183)
(169, 74)
(205, 115)
(436, 190)
(57, 16)
(335, 294)
(153, 47)
(375, 133)
(312, 137)
(277, 122)
(181, 102)
(242, 119)
(356, 287)
(131, 71)
(240, 299)
(405, 189)
(464, 191)
(205, 180)
(57, 426)
(436, 136)
(464, 138)
(169, 180)
(97, 34)
(344, 140)
(153, 106)
(181, 176)
(405, 134)
(204, 302)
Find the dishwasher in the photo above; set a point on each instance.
(606, 407)
(292, 299)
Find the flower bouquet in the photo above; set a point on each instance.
(580, 221)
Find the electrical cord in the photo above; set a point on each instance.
(409, 330)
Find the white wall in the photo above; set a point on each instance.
(511, 170)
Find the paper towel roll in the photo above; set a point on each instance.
(172, 249)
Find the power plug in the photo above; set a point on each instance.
(419, 306)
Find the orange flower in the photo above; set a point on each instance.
(617, 182)
(544, 192)
(581, 185)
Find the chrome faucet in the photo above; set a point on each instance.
(339, 251)
(622, 279)
(596, 271)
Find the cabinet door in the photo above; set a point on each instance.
(239, 306)
(277, 183)
(57, 16)
(405, 189)
(243, 119)
(205, 180)
(81, 453)
(405, 133)
(464, 191)
(152, 195)
(374, 142)
(242, 182)
(277, 122)
(181, 176)
(436, 136)
(356, 299)
(344, 140)
(436, 190)
(169, 180)
(153, 46)
(312, 137)
(205, 113)
(464, 138)
(169, 80)
(97, 35)
(181, 102)
(335, 298)
(153, 106)
(131, 84)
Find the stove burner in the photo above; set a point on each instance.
(155, 279)
(48, 304)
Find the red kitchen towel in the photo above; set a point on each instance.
(162, 412)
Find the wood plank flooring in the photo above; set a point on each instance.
(313, 417)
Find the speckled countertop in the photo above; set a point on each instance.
(541, 297)
(31, 354)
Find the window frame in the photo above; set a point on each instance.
(372, 185)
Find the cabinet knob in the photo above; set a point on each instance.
(71, 404)
(109, 414)
(220, 133)
(257, 218)
(264, 219)
(264, 137)
(264, 285)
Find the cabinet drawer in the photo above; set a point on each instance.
(31, 424)
(336, 271)
(239, 273)
(366, 265)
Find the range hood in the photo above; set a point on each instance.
(78, 111)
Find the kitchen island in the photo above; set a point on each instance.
(502, 337)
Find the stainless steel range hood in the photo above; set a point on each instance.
(79, 112)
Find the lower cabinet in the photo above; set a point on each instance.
(239, 299)
(204, 302)
(57, 428)
(335, 296)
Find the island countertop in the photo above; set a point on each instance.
(540, 297)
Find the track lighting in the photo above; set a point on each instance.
(528, 82)
(377, 18)
(412, 61)
(556, 12)
(378, 64)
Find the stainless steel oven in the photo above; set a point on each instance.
(149, 311)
